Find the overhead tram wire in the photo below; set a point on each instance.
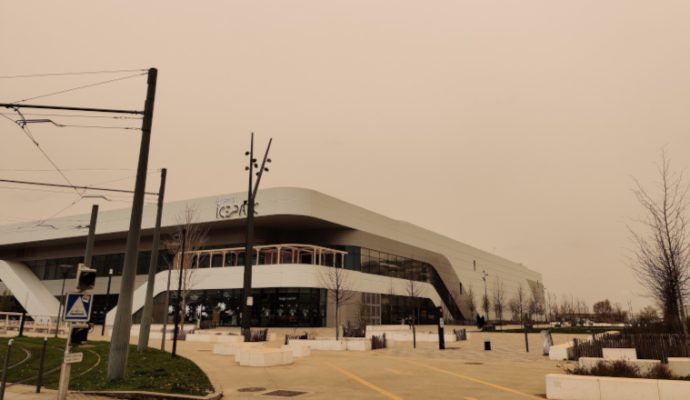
(28, 134)
(85, 188)
(76, 116)
(24, 122)
(90, 85)
(70, 73)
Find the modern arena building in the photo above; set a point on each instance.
(392, 268)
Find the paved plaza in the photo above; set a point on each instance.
(462, 371)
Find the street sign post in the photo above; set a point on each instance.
(73, 358)
(78, 307)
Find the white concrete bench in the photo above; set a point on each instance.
(231, 349)
(361, 344)
(211, 338)
(264, 357)
(298, 350)
(325, 345)
(561, 351)
(679, 366)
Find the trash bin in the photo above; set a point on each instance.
(487, 345)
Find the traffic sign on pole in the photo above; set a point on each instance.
(78, 307)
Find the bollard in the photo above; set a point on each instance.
(487, 345)
(39, 379)
(3, 382)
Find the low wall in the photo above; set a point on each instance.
(577, 387)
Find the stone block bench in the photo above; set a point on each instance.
(264, 357)
(561, 351)
(679, 366)
(231, 349)
(298, 350)
(358, 344)
(322, 344)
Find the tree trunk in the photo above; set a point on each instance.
(337, 325)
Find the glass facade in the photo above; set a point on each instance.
(280, 307)
(381, 263)
(50, 269)
(395, 309)
(274, 307)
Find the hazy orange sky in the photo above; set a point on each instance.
(514, 126)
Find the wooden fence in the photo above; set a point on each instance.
(651, 346)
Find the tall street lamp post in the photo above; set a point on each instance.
(485, 301)
(107, 301)
(247, 300)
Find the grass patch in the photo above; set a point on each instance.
(152, 371)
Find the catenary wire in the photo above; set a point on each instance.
(80, 87)
(70, 73)
(77, 116)
(27, 132)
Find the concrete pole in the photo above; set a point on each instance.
(147, 314)
(119, 343)
(66, 369)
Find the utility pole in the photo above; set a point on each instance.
(66, 367)
(167, 307)
(119, 343)
(247, 300)
(147, 313)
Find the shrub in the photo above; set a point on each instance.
(618, 369)
(622, 369)
(660, 371)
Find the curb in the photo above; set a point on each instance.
(150, 395)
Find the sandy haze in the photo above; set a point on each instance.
(514, 126)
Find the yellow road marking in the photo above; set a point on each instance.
(469, 378)
(395, 371)
(363, 382)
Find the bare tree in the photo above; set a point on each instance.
(499, 299)
(471, 302)
(414, 292)
(195, 237)
(335, 280)
(517, 304)
(662, 254)
(535, 304)
(552, 306)
(486, 305)
(603, 310)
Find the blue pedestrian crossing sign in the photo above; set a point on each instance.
(78, 307)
